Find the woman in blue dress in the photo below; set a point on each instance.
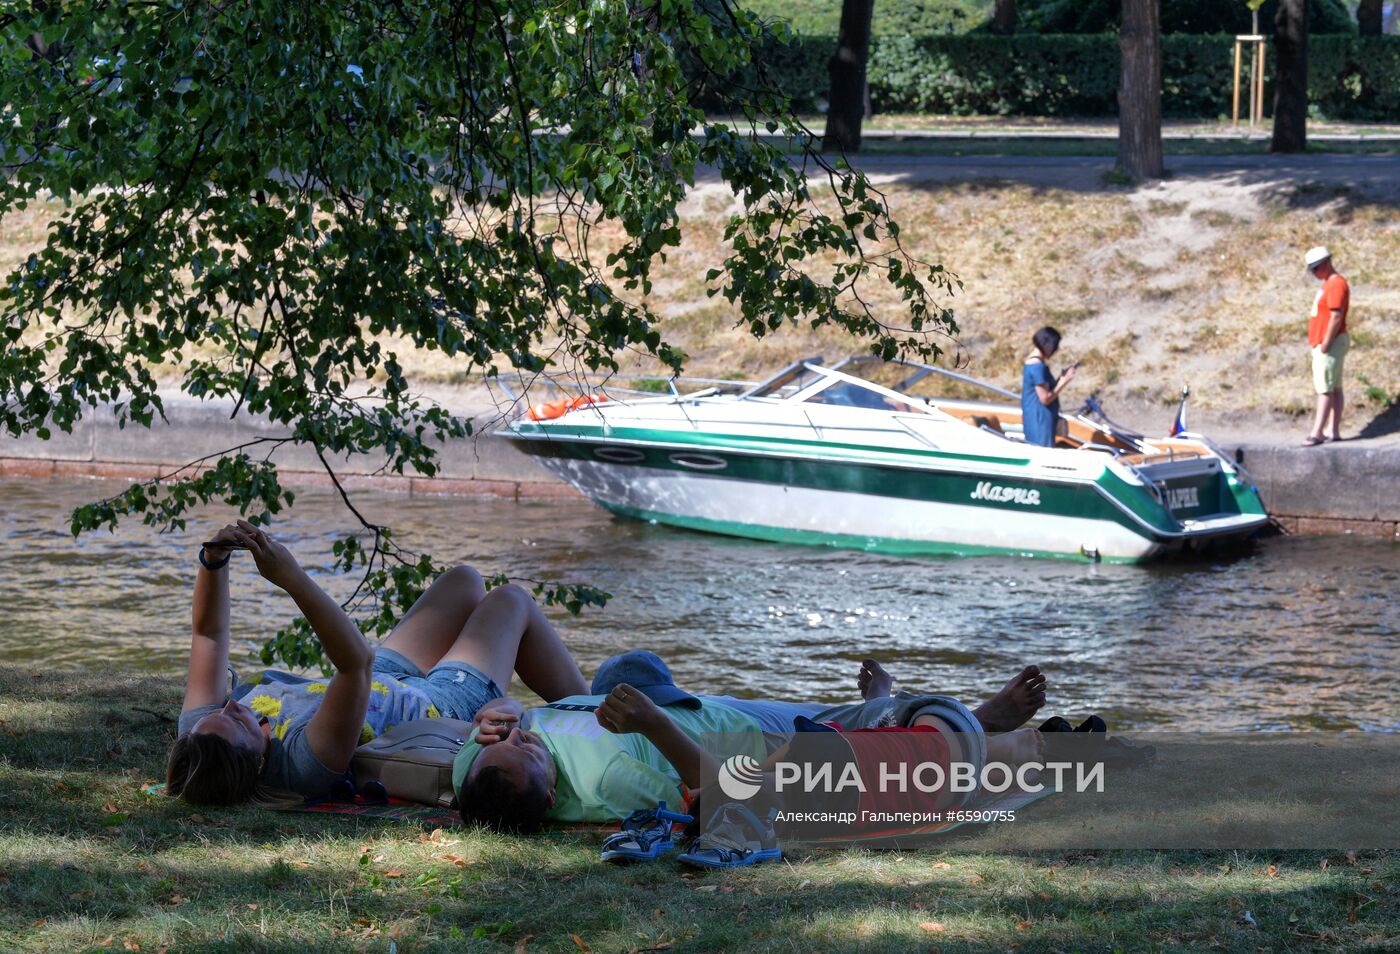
(1040, 391)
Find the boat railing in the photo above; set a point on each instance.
(521, 387)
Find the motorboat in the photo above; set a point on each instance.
(891, 456)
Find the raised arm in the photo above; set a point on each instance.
(334, 730)
(628, 710)
(206, 683)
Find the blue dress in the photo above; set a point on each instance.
(1038, 420)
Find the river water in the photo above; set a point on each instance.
(1298, 632)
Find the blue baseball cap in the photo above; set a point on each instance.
(645, 672)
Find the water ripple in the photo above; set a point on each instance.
(1299, 633)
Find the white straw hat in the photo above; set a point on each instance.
(1317, 255)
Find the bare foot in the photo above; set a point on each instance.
(1018, 701)
(873, 681)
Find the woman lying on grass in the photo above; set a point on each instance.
(286, 738)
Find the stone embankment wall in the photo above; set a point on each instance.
(1351, 487)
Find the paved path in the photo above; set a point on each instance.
(1376, 176)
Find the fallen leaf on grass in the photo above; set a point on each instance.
(942, 865)
(110, 808)
(1272, 871)
(708, 887)
(933, 927)
(579, 941)
(455, 859)
(393, 873)
(976, 879)
(805, 884)
(107, 941)
(1024, 925)
(1045, 896)
(131, 945)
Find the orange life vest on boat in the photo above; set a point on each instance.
(549, 410)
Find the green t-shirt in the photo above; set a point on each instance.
(605, 776)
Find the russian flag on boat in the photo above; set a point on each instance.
(1179, 424)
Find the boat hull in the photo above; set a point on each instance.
(863, 505)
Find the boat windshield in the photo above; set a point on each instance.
(919, 380)
(854, 394)
(792, 379)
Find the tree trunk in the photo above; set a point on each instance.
(1290, 77)
(1004, 18)
(1369, 16)
(847, 69)
(1140, 92)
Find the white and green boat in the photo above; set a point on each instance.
(856, 454)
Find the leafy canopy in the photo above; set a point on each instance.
(271, 201)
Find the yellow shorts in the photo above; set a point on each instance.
(1327, 367)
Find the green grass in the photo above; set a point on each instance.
(91, 862)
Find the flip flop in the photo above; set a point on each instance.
(1120, 753)
(1313, 441)
(734, 837)
(645, 835)
(1092, 724)
(1056, 724)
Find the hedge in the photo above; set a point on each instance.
(1349, 77)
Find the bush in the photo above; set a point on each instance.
(1349, 77)
(1177, 16)
(928, 17)
(891, 17)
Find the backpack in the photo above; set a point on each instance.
(413, 760)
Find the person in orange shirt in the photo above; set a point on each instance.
(1327, 337)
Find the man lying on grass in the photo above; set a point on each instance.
(283, 738)
(637, 740)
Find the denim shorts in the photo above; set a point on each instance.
(458, 689)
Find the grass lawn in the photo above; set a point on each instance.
(91, 862)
